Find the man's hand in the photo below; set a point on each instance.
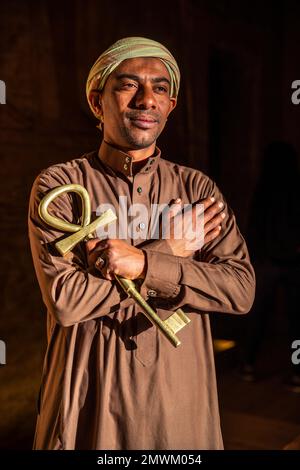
(211, 225)
(121, 259)
(130, 262)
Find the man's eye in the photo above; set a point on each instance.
(128, 85)
(162, 89)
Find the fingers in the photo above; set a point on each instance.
(208, 202)
(210, 236)
(210, 206)
(94, 248)
(95, 245)
(99, 257)
(214, 222)
(209, 214)
(174, 209)
(213, 218)
(212, 210)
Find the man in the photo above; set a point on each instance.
(110, 379)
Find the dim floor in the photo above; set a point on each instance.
(260, 415)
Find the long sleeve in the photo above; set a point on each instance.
(219, 278)
(70, 291)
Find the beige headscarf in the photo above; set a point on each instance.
(128, 48)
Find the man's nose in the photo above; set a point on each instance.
(145, 98)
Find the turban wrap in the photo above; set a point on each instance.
(129, 48)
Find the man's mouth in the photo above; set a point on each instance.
(143, 122)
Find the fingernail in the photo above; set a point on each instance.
(178, 199)
(220, 204)
(223, 215)
(219, 227)
(212, 199)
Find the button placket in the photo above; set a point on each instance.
(147, 339)
(140, 195)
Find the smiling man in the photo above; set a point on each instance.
(134, 81)
(110, 380)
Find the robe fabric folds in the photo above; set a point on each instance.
(110, 380)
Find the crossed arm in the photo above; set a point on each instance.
(218, 278)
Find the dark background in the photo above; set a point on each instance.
(238, 61)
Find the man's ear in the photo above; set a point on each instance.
(173, 103)
(95, 101)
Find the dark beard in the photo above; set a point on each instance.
(135, 143)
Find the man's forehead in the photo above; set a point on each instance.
(142, 66)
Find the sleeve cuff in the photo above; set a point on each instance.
(162, 275)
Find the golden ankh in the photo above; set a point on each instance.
(81, 231)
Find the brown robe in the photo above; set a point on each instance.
(110, 379)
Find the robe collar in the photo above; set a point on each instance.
(122, 162)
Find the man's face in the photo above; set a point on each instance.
(136, 102)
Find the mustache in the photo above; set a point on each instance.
(143, 114)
